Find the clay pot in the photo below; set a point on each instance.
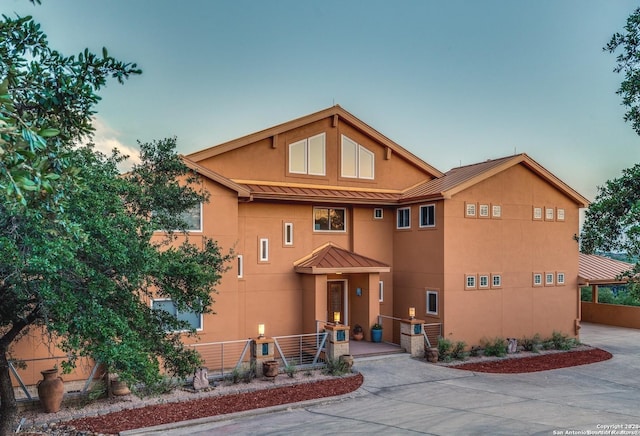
(270, 368)
(432, 355)
(50, 390)
(348, 360)
(358, 336)
(119, 388)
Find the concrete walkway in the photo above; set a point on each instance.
(401, 395)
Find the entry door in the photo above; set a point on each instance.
(335, 302)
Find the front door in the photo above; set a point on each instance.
(335, 301)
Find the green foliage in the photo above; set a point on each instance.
(336, 367)
(376, 326)
(586, 294)
(494, 347)
(560, 341)
(162, 385)
(532, 344)
(627, 44)
(448, 350)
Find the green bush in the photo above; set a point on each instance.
(585, 293)
(458, 352)
(561, 341)
(448, 351)
(336, 367)
(531, 344)
(444, 349)
(290, 369)
(494, 347)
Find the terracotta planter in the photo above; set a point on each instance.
(432, 354)
(270, 368)
(358, 336)
(119, 388)
(50, 390)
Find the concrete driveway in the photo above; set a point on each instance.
(401, 395)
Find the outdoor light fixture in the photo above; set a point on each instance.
(336, 317)
(412, 312)
(261, 330)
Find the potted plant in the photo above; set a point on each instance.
(358, 333)
(376, 333)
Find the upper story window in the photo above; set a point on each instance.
(428, 215)
(288, 234)
(329, 219)
(194, 319)
(308, 156)
(404, 218)
(191, 217)
(357, 161)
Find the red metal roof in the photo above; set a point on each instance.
(333, 259)
(315, 194)
(596, 269)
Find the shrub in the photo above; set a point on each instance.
(336, 367)
(531, 344)
(561, 341)
(448, 351)
(495, 347)
(458, 352)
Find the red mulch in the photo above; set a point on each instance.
(542, 362)
(116, 422)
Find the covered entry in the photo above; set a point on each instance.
(339, 283)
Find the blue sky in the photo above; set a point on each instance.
(454, 82)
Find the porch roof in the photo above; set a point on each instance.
(600, 270)
(330, 259)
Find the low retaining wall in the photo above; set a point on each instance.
(611, 314)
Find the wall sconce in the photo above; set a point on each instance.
(261, 330)
(336, 317)
(412, 312)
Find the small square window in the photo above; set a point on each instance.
(381, 291)
(470, 282)
(548, 279)
(537, 213)
(560, 279)
(560, 214)
(378, 213)
(537, 279)
(404, 218)
(496, 280)
(549, 212)
(496, 211)
(432, 302)
(484, 211)
(470, 210)
(483, 281)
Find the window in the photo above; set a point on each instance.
(240, 266)
(560, 279)
(484, 210)
(357, 161)
(537, 213)
(548, 213)
(194, 319)
(264, 250)
(432, 302)
(193, 218)
(496, 280)
(560, 214)
(288, 234)
(548, 279)
(470, 210)
(428, 215)
(308, 156)
(496, 211)
(537, 279)
(470, 282)
(483, 281)
(404, 218)
(381, 291)
(378, 213)
(329, 220)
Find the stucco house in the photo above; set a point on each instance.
(325, 214)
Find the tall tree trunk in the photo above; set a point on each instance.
(8, 405)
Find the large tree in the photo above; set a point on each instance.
(79, 250)
(612, 222)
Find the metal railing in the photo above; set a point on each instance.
(303, 351)
(392, 324)
(432, 332)
(222, 358)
